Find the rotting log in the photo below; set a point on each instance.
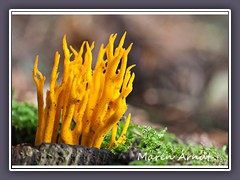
(60, 154)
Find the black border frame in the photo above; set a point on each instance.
(11, 11)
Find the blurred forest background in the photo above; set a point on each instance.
(181, 74)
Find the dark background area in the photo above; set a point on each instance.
(181, 73)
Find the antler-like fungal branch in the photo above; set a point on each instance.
(89, 102)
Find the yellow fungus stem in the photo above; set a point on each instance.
(52, 106)
(40, 84)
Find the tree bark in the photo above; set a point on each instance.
(60, 154)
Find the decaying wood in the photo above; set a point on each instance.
(60, 154)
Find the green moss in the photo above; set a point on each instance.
(24, 122)
(162, 148)
(166, 148)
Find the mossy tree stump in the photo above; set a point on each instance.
(60, 154)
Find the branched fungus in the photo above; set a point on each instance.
(88, 103)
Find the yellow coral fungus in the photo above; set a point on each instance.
(88, 102)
